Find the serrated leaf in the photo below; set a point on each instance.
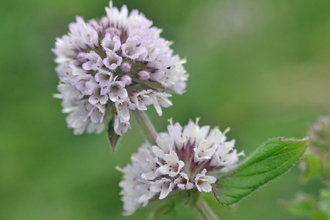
(113, 137)
(271, 160)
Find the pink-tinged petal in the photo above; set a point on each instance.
(96, 115)
(203, 182)
(156, 76)
(152, 52)
(132, 48)
(164, 186)
(172, 165)
(91, 87)
(205, 188)
(120, 126)
(141, 99)
(122, 110)
(117, 91)
(204, 152)
(111, 43)
(160, 99)
(145, 198)
(150, 175)
(183, 182)
(94, 61)
(95, 128)
(146, 100)
(76, 71)
(122, 93)
(97, 98)
(93, 99)
(104, 78)
(68, 92)
(166, 191)
(112, 61)
(157, 151)
(103, 99)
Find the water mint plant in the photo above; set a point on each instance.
(110, 66)
(117, 65)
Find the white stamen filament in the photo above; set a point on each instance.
(135, 159)
(183, 61)
(119, 169)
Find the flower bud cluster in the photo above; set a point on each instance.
(182, 159)
(110, 66)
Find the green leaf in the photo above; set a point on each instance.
(324, 203)
(113, 137)
(170, 206)
(162, 211)
(313, 166)
(305, 206)
(325, 163)
(271, 160)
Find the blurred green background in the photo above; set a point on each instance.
(261, 67)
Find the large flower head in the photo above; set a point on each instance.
(112, 65)
(182, 159)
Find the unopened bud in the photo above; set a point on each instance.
(126, 67)
(143, 75)
(126, 79)
(81, 58)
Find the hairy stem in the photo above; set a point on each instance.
(204, 211)
(146, 125)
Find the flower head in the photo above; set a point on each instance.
(111, 62)
(319, 134)
(316, 162)
(183, 159)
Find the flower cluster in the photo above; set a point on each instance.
(319, 133)
(316, 161)
(110, 66)
(181, 160)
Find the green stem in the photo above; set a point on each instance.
(204, 211)
(146, 125)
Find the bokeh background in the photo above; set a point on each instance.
(260, 67)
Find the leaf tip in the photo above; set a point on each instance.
(112, 136)
(303, 140)
(113, 141)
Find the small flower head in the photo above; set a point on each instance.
(117, 59)
(316, 161)
(183, 159)
(319, 133)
